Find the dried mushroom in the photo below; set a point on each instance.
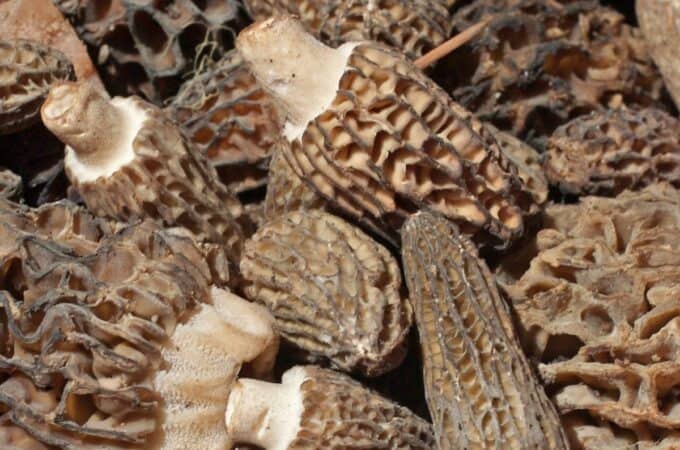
(231, 119)
(124, 347)
(599, 307)
(27, 70)
(126, 159)
(316, 408)
(412, 26)
(378, 139)
(540, 63)
(146, 47)
(334, 291)
(10, 185)
(659, 23)
(610, 151)
(286, 191)
(479, 386)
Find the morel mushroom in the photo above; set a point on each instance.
(540, 63)
(479, 386)
(126, 347)
(127, 159)
(334, 291)
(145, 48)
(286, 191)
(231, 119)
(316, 408)
(659, 24)
(611, 151)
(599, 307)
(378, 139)
(27, 70)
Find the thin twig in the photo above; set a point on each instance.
(447, 47)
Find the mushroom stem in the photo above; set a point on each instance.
(82, 118)
(300, 72)
(265, 414)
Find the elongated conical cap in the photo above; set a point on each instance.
(479, 386)
(377, 138)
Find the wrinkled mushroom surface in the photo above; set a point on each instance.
(610, 151)
(334, 291)
(480, 389)
(598, 306)
(380, 140)
(286, 191)
(231, 120)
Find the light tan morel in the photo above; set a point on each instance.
(127, 159)
(599, 307)
(316, 408)
(373, 135)
(334, 291)
(608, 152)
(479, 386)
(27, 70)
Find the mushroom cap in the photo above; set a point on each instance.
(479, 386)
(127, 160)
(381, 140)
(231, 120)
(610, 151)
(598, 307)
(334, 292)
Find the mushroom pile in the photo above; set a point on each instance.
(331, 225)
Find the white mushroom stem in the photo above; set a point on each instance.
(202, 359)
(266, 414)
(300, 72)
(98, 132)
(253, 339)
